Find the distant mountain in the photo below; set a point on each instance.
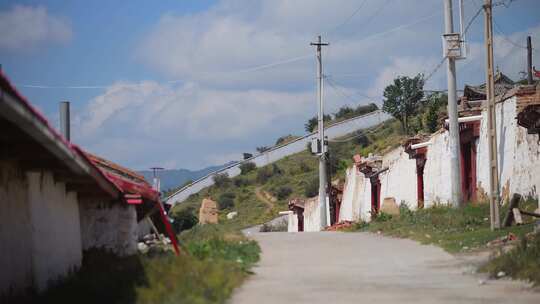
(176, 177)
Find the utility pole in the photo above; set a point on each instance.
(529, 61)
(453, 126)
(156, 181)
(321, 143)
(491, 120)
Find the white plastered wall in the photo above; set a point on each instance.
(518, 154)
(437, 170)
(399, 181)
(56, 235)
(312, 215)
(356, 201)
(15, 230)
(112, 226)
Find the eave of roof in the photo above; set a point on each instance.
(126, 180)
(16, 108)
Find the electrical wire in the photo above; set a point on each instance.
(348, 18)
(250, 69)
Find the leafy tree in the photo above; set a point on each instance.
(247, 167)
(344, 112)
(434, 104)
(365, 109)
(184, 219)
(312, 123)
(402, 98)
(222, 180)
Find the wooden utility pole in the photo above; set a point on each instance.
(491, 120)
(321, 144)
(529, 61)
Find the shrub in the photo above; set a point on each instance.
(311, 189)
(222, 180)
(241, 181)
(362, 140)
(276, 170)
(247, 167)
(226, 200)
(283, 192)
(184, 219)
(285, 139)
(264, 174)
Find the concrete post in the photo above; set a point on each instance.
(453, 125)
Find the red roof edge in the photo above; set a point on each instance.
(6, 84)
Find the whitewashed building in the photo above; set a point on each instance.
(418, 172)
(56, 200)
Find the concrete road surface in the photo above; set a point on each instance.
(333, 267)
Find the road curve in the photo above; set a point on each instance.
(333, 267)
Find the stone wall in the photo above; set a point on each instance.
(109, 225)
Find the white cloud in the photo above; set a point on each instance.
(219, 107)
(234, 36)
(26, 27)
(187, 110)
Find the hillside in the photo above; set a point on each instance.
(260, 193)
(173, 178)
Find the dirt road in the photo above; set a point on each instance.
(333, 267)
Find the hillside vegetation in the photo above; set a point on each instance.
(258, 194)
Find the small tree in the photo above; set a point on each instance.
(247, 167)
(402, 99)
(222, 180)
(434, 105)
(344, 112)
(365, 109)
(312, 123)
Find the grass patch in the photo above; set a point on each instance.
(218, 260)
(454, 229)
(521, 262)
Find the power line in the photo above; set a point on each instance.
(346, 20)
(250, 69)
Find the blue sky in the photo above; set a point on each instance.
(177, 83)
